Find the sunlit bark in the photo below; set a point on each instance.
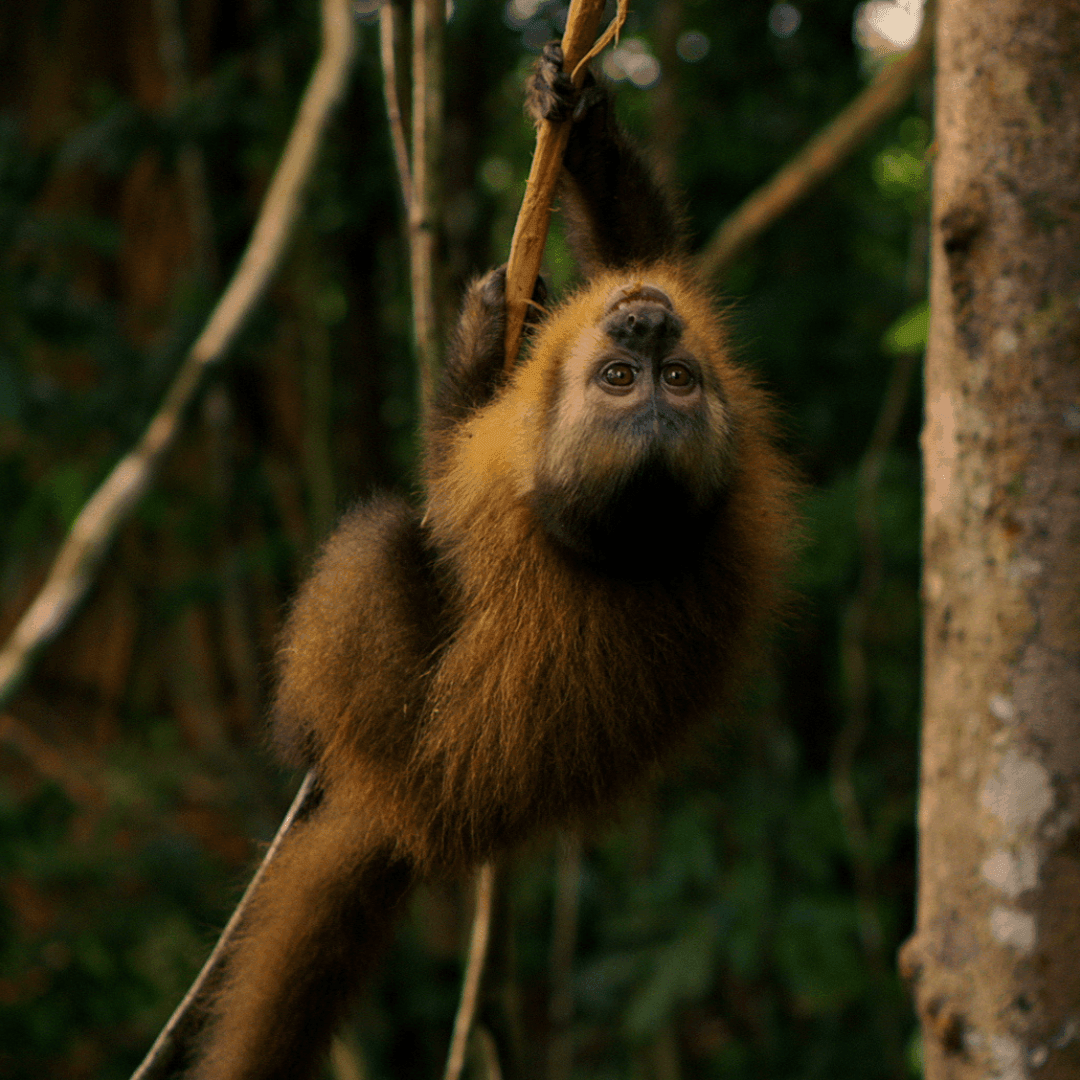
(994, 959)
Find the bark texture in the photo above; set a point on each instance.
(996, 957)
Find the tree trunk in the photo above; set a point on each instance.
(996, 955)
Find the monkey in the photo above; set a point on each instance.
(602, 538)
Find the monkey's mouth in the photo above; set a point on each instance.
(637, 291)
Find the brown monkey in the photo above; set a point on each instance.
(601, 541)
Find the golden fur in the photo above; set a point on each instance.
(506, 658)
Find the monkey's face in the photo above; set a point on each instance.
(642, 381)
(639, 439)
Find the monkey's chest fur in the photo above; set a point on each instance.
(564, 609)
(545, 686)
(649, 528)
(471, 687)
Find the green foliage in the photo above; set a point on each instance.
(725, 919)
(909, 331)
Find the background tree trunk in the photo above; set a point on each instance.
(995, 958)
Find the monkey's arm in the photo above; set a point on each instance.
(475, 363)
(475, 359)
(616, 212)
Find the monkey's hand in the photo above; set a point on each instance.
(475, 366)
(594, 138)
(493, 286)
(553, 96)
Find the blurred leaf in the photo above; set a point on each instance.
(909, 332)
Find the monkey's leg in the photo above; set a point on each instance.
(316, 924)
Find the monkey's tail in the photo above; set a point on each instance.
(316, 921)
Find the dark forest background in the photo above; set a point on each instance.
(741, 918)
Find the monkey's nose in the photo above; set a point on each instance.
(643, 326)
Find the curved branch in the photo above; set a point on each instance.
(531, 229)
(474, 970)
(82, 552)
(390, 23)
(425, 207)
(823, 155)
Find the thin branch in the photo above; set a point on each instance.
(523, 267)
(86, 545)
(668, 119)
(488, 1053)
(174, 1036)
(390, 24)
(823, 155)
(474, 970)
(216, 407)
(531, 229)
(347, 1061)
(425, 205)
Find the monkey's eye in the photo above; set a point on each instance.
(618, 374)
(677, 376)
